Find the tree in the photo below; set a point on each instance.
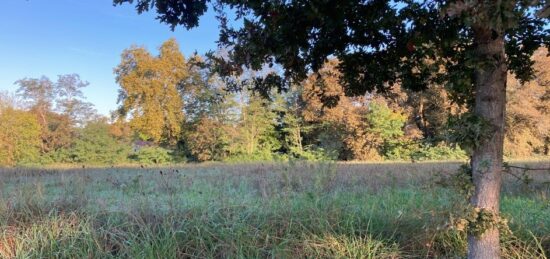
(528, 112)
(255, 135)
(294, 127)
(43, 97)
(19, 137)
(337, 122)
(8, 100)
(209, 113)
(70, 99)
(58, 133)
(431, 110)
(96, 145)
(351, 128)
(208, 139)
(150, 91)
(385, 127)
(39, 95)
(466, 45)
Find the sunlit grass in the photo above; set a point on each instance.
(254, 210)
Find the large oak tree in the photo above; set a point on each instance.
(467, 45)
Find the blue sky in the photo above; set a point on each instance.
(53, 37)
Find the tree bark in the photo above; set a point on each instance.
(490, 101)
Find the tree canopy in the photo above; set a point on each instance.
(150, 90)
(379, 43)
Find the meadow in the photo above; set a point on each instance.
(261, 210)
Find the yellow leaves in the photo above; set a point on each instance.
(19, 137)
(150, 90)
(527, 118)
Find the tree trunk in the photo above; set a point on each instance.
(490, 100)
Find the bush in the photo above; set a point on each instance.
(152, 155)
(399, 150)
(422, 152)
(313, 154)
(95, 145)
(439, 152)
(257, 157)
(19, 137)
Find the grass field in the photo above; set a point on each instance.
(294, 210)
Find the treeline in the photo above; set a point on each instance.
(177, 109)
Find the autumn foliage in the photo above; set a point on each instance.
(174, 109)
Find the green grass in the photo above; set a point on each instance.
(255, 210)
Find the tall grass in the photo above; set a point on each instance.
(296, 210)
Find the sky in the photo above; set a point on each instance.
(55, 37)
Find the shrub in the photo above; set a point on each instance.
(95, 145)
(422, 152)
(439, 152)
(152, 155)
(19, 137)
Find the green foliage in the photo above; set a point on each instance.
(386, 128)
(399, 150)
(469, 131)
(330, 142)
(461, 181)
(256, 134)
(312, 153)
(439, 152)
(257, 157)
(19, 137)
(378, 42)
(407, 150)
(152, 156)
(476, 221)
(384, 122)
(95, 145)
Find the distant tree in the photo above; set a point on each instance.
(295, 128)
(431, 111)
(8, 100)
(255, 134)
(150, 91)
(71, 101)
(44, 97)
(469, 46)
(208, 111)
(208, 139)
(205, 95)
(120, 129)
(351, 128)
(528, 111)
(39, 95)
(19, 137)
(384, 126)
(336, 119)
(152, 155)
(58, 133)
